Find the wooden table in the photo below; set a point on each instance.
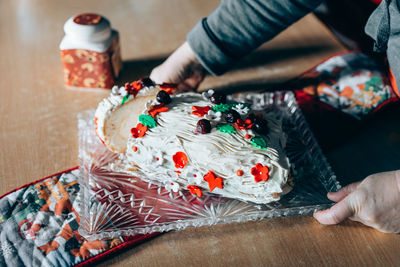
(39, 133)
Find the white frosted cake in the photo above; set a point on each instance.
(198, 142)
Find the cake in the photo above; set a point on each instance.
(198, 142)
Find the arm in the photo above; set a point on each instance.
(237, 27)
(384, 27)
(230, 32)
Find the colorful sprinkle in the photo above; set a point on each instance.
(226, 128)
(247, 136)
(137, 85)
(213, 181)
(134, 148)
(168, 87)
(200, 111)
(139, 131)
(180, 159)
(154, 110)
(125, 99)
(259, 142)
(260, 173)
(239, 172)
(222, 107)
(242, 108)
(243, 125)
(195, 190)
(147, 120)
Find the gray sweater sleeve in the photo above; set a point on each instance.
(384, 27)
(237, 27)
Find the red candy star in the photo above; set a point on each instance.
(195, 190)
(260, 173)
(200, 111)
(213, 181)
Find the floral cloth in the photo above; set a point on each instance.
(39, 225)
(353, 83)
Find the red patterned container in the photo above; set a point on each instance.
(90, 52)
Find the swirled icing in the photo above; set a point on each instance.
(222, 153)
(111, 103)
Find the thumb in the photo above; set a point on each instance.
(336, 214)
(344, 192)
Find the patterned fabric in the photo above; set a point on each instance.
(39, 225)
(353, 83)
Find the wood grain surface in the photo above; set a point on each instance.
(38, 133)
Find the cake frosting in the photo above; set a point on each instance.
(120, 97)
(188, 142)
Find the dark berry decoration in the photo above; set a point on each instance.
(163, 97)
(260, 126)
(231, 116)
(203, 126)
(147, 82)
(218, 99)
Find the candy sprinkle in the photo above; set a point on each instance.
(180, 159)
(147, 120)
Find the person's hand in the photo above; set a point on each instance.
(375, 202)
(181, 68)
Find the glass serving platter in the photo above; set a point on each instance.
(114, 203)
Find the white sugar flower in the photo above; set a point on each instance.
(172, 186)
(159, 158)
(241, 109)
(213, 116)
(193, 175)
(208, 94)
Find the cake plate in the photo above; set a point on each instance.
(114, 203)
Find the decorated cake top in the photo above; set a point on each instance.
(113, 132)
(198, 142)
(202, 143)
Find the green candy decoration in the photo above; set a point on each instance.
(125, 99)
(259, 142)
(147, 120)
(222, 108)
(226, 128)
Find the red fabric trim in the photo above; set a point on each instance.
(393, 82)
(134, 241)
(384, 104)
(376, 2)
(34, 182)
